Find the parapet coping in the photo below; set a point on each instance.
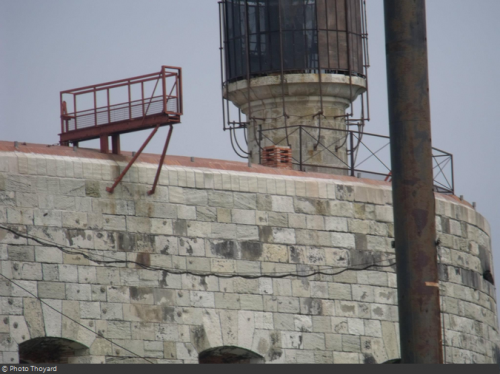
(197, 163)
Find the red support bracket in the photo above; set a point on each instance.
(120, 177)
(152, 191)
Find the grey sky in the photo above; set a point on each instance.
(52, 45)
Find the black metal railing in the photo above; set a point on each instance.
(366, 155)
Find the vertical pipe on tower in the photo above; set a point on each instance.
(412, 181)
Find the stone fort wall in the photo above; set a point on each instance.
(126, 275)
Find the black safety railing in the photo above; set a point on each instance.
(362, 155)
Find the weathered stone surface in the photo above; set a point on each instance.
(206, 221)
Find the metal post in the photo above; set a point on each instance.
(351, 140)
(300, 148)
(412, 182)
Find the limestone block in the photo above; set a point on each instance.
(141, 295)
(34, 317)
(336, 224)
(277, 219)
(198, 264)
(251, 302)
(303, 323)
(271, 186)
(227, 301)
(363, 293)
(222, 266)
(191, 247)
(311, 306)
(87, 274)
(314, 341)
(195, 197)
(220, 199)
(52, 310)
(229, 321)
(223, 231)
(369, 195)
(90, 310)
(274, 253)
(301, 288)
(223, 215)
(176, 195)
(212, 328)
(390, 337)
(167, 332)
(246, 328)
(341, 209)
(161, 226)
(48, 255)
(51, 290)
(247, 232)
(112, 311)
(235, 182)
(342, 240)
(166, 245)
(78, 292)
(339, 291)
(282, 204)
(21, 253)
(19, 329)
(279, 235)
(300, 188)
(245, 201)
(20, 216)
(321, 324)
(375, 278)
(29, 271)
(243, 217)
(385, 296)
(206, 214)
(200, 299)
(68, 273)
(263, 320)
(359, 226)
(311, 206)
(351, 343)
(186, 212)
(266, 286)
(292, 340)
(284, 322)
(242, 286)
(200, 283)
(282, 287)
(138, 224)
(261, 218)
(78, 238)
(315, 222)
(384, 213)
(288, 305)
(384, 312)
(26, 200)
(7, 345)
(24, 289)
(305, 357)
(319, 290)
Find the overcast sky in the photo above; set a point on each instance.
(53, 45)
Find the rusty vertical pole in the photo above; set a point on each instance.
(412, 181)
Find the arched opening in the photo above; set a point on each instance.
(229, 355)
(50, 351)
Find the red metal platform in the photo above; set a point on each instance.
(118, 107)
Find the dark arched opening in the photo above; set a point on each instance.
(229, 355)
(50, 351)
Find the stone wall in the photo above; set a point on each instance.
(142, 299)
